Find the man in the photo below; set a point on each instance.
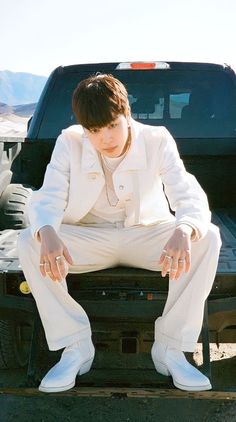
(102, 195)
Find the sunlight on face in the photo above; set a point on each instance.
(111, 139)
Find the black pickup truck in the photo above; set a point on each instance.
(197, 103)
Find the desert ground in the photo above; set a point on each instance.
(13, 125)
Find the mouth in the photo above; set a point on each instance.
(111, 149)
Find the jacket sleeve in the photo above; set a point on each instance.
(185, 195)
(47, 205)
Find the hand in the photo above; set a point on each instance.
(51, 248)
(176, 255)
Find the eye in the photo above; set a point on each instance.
(113, 125)
(94, 130)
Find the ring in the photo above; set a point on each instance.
(41, 265)
(58, 257)
(168, 256)
(181, 260)
(172, 270)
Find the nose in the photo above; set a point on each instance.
(106, 136)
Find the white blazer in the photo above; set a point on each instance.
(74, 179)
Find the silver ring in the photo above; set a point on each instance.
(58, 257)
(41, 265)
(172, 270)
(181, 260)
(168, 257)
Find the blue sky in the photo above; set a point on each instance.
(39, 35)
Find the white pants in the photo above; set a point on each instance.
(95, 248)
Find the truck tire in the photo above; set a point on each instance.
(13, 207)
(14, 345)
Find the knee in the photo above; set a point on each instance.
(213, 237)
(24, 239)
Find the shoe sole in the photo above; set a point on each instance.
(192, 388)
(56, 389)
(85, 367)
(163, 370)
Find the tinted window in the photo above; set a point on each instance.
(189, 103)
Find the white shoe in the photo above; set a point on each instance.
(170, 361)
(75, 360)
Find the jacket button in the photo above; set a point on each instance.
(121, 187)
(92, 176)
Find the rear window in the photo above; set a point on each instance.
(191, 104)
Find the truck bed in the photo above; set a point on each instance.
(9, 262)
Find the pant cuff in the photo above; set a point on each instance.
(184, 346)
(67, 341)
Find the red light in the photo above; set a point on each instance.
(143, 66)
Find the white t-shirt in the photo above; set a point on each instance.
(107, 208)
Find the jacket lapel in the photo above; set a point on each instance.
(90, 162)
(136, 158)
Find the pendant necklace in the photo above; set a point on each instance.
(108, 175)
(109, 183)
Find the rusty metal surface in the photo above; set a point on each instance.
(125, 392)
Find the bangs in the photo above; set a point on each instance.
(96, 113)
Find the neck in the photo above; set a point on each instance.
(127, 144)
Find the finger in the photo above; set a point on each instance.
(61, 267)
(173, 269)
(46, 268)
(181, 267)
(163, 255)
(68, 256)
(50, 275)
(166, 265)
(187, 261)
(41, 268)
(49, 271)
(43, 260)
(55, 270)
(172, 274)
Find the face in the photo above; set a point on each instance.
(110, 140)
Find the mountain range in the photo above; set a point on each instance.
(18, 88)
(19, 94)
(24, 110)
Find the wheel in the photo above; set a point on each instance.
(13, 207)
(14, 344)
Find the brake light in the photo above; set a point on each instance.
(143, 65)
